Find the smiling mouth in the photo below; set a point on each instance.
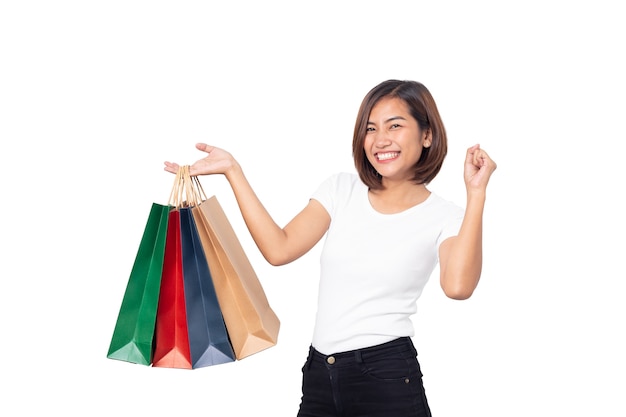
(387, 155)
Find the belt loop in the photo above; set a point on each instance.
(357, 356)
(309, 359)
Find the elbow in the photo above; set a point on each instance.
(277, 258)
(274, 260)
(459, 289)
(458, 293)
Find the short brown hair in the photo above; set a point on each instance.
(423, 109)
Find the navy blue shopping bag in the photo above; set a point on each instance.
(208, 338)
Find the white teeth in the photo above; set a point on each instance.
(386, 155)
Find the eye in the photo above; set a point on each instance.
(370, 129)
(395, 126)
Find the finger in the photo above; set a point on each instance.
(204, 147)
(479, 158)
(469, 156)
(474, 156)
(486, 161)
(171, 167)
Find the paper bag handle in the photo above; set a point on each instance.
(184, 193)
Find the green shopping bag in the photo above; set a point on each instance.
(134, 330)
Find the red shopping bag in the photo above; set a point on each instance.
(171, 347)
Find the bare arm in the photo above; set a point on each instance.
(278, 245)
(461, 256)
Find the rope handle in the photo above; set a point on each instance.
(185, 192)
(201, 194)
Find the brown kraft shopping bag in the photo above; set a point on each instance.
(251, 323)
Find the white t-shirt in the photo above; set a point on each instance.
(374, 266)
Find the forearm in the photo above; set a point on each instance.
(461, 273)
(268, 236)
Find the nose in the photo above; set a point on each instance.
(381, 140)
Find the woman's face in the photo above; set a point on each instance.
(394, 141)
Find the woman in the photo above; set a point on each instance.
(385, 232)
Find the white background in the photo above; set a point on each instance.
(95, 95)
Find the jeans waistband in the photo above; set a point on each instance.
(402, 344)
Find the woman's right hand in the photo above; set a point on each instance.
(217, 161)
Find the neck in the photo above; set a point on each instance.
(397, 197)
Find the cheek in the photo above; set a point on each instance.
(419, 154)
(367, 142)
(368, 145)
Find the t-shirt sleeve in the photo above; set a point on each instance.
(325, 193)
(452, 224)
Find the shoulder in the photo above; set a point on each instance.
(339, 189)
(343, 181)
(445, 207)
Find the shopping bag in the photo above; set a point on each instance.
(208, 337)
(171, 338)
(252, 324)
(209, 343)
(133, 336)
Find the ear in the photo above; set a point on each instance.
(428, 138)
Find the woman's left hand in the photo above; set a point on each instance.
(478, 168)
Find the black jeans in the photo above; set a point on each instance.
(378, 381)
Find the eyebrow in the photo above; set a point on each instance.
(391, 119)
